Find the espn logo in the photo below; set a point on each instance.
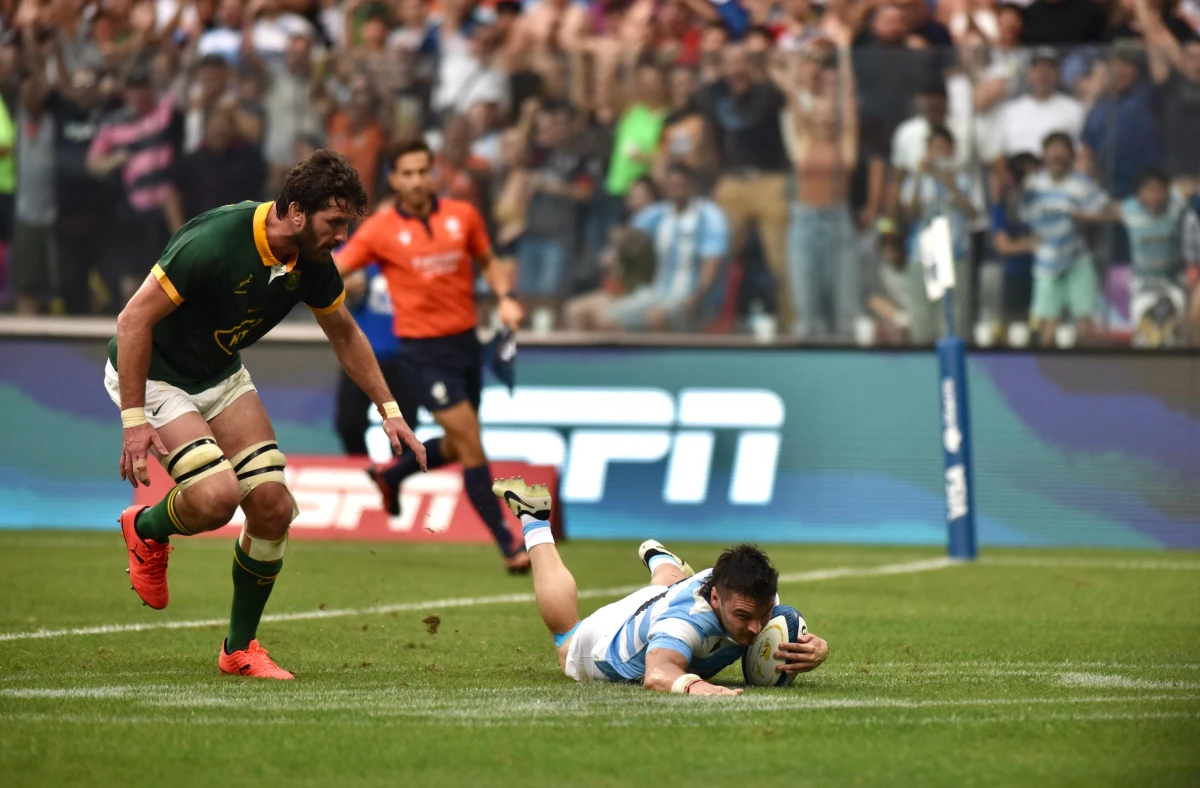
(583, 431)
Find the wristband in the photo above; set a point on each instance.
(680, 687)
(390, 409)
(133, 417)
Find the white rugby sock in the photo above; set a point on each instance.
(657, 560)
(536, 531)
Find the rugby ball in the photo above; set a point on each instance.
(759, 662)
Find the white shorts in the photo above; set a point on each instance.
(165, 403)
(590, 642)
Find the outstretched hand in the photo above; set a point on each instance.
(401, 435)
(137, 444)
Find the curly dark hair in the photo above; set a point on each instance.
(323, 176)
(744, 570)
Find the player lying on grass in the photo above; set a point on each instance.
(175, 370)
(673, 634)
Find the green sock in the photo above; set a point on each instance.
(252, 584)
(160, 522)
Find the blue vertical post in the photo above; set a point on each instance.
(956, 438)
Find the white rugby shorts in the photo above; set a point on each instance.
(165, 403)
(590, 642)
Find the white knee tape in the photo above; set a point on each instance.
(193, 462)
(265, 549)
(261, 463)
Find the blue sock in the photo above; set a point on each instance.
(479, 489)
(535, 531)
(406, 464)
(656, 560)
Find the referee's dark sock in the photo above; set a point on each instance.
(479, 489)
(406, 464)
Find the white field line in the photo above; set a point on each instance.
(1034, 562)
(438, 604)
(558, 707)
(28, 718)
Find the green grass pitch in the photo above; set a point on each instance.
(1029, 667)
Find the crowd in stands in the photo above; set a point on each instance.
(713, 166)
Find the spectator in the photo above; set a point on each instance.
(686, 137)
(1022, 123)
(1014, 241)
(637, 134)
(511, 208)
(561, 180)
(224, 39)
(910, 143)
(801, 26)
(1059, 22)
(676, 36)
(938, 188)
(368, 51)
(273, 30)
(1191, 259)
(743, 110)
(691, 240)
(357, 133)
(1054, 201)
(976, 22)
(77, 105)
(1002, 76)
(1121, 137)
(889, 65)
(485, 121)
(456, 173)
(823, 254)
(713, 41)
(35, 275)
(1175, 69)
(1133, 24)
(887, 290)
(1158, 291)
(224, 170)
(212, 90)
(140, 144)
(467, 71)
(290, 102)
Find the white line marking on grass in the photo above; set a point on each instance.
(191, 720)
(1108, 681)
(1033, 562)
(908, 567)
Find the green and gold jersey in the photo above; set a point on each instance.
(230, 291)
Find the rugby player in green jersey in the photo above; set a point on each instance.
(175, 370)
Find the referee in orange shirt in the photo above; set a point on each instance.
(427, 249)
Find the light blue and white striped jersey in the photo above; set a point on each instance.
(937, 200)
(680, 620)
(1154, 238)
(1046, 206)
(683, 240)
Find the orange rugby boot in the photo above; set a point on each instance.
(253, 661)
(147, 562)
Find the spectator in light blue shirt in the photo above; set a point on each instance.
(1056, 200)
(690, 238)
(936, 189)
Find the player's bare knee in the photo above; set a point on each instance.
(469, 449)
(269, 512)
(212, 502)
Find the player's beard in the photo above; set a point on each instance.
(310, 247)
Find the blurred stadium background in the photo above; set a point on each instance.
(795, 402)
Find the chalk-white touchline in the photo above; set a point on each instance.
(908, 567)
